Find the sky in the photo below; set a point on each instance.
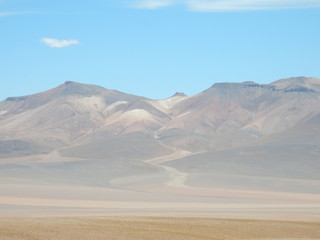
(154, 48)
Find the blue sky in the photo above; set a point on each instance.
(155, 48)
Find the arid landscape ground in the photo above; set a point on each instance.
(236, 161)
(155, 228)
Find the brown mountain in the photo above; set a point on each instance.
(232, 135)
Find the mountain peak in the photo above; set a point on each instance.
(75, 88)
(179, 94)
(297, 84)
(71, 83)
(235, 85)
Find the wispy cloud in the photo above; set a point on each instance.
(249, 5)
(6, 14)
(56, 43)
(153, 4)
(229, 5)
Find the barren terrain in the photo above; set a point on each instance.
(125, 228)
(236, 161)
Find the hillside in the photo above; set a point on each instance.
(246, 137)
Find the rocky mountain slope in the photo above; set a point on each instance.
(225, 135)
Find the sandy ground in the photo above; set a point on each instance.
(162, 228)
(61, 200)
(139, 209)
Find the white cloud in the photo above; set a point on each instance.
(153, 4)
(56, 43)
(229, 5)
(249, 5)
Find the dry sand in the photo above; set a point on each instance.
(162, 228)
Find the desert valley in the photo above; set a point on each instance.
(246, 153)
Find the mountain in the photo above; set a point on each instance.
(64, 115)
(250, 136)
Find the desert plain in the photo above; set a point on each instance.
(156, 228)
(57, 213)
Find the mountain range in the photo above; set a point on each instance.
(247, 136)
